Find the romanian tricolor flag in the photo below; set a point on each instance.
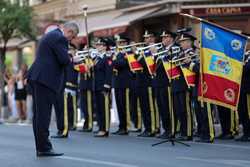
(149, 59)
(189, 76)
(222, 55)
(134, 65)
(171, 70)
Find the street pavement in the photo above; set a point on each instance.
(83, 150)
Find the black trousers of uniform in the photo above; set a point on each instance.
(198, 114)
(156, 111)
(162, 97)
(145, 95)
(206, 126)
(135, 109)
(244, 112)
(122, 103)
(225, 120)
(183, 112)
(43, 99)
(71, 107)
(59, 111)
(103, 110)
(87, 107)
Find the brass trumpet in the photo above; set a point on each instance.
(180, 61)
(131, 45)
(157, 45)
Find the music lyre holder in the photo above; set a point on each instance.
(172, 139)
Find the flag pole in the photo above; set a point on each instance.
(203, 20)
(85, 8)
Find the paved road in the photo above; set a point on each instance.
(83, 150)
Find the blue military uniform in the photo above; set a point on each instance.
(101, 88)
(70, 97)
(203, 110)
(181, 101)
(243, 109)
(46, 77)
(144, 90)
(87, 100)
(135, 109)
(122, 78)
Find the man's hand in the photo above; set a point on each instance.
(77, 59)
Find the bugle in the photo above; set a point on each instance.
(157, 45)
(131, 45)
(181, 61)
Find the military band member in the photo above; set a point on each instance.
(102, 86)
(70, 94)
(135, 109)
(145, 93)
(203, 110)
(162, 88)
(150, 39)
(61, 120)
(122, 78)
(181, 93)
(243, 109)
(87, 101)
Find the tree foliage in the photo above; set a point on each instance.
(15, 22)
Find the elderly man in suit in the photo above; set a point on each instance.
(46, 78)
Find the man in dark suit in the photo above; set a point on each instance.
(46, 77)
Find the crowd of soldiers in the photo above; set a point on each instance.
(157, 104)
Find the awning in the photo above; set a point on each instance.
(120, 23)
(96, 20)
(111, 23)
(166, 10)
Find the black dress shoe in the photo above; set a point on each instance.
(135, 130)
(59, 136)
(163, 136)
(120, 132)
(243, 138)
(146, 134)
(228, 137)
(185, 138)
(85, 130)
(157, 131)
(49, 153)
(225, 137)
(102, 134)
(72, 128)
(201, 140)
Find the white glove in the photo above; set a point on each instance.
(93, 54)
(78, 59)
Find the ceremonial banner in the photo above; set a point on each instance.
(171, 70)
(134, 65)
(149, 59)
(189, 76)
(222, 55)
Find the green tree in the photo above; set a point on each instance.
(15, 22)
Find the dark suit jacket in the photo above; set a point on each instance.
(51, 59)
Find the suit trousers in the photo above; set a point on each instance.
(43, 99)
